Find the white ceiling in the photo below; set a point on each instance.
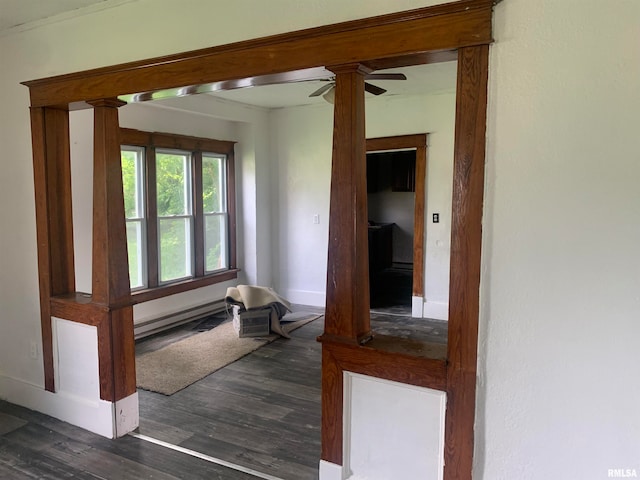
(421, 79)
(14, 13)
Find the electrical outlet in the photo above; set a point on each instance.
(33, 349)
(436, 218)
(316, 219)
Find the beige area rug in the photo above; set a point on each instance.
(176, 366)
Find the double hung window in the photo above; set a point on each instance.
(174, 215)
(179, 208)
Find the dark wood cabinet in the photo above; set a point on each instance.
(395, 171)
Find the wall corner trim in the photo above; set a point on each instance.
(330, 471)
(126, 415)
(417, 304)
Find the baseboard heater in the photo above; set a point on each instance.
(156, 325)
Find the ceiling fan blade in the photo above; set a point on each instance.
(373, 89)
(323, 89)
(386, 76)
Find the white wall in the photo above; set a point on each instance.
(559, 359)
(301, 151)
(184, 119)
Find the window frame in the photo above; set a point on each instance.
(187, 214)
(141, 217)
(223, 210)
(196, 147)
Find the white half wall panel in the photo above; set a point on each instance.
(392, 430)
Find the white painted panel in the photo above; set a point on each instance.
(392, 430)
(76, 361)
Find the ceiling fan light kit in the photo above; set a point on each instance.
(330, 95)
(328, 91)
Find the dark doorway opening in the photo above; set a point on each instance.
(391, 186)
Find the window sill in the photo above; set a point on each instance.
(141, 296)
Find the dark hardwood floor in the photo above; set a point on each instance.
(35, 446)
(261, 412)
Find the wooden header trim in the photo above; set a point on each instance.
(396, 142)
(129, 136)
(438, 28)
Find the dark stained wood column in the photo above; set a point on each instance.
(110, 281)
(347, 307)
(52, 185)
(110, 269)
(466, 242)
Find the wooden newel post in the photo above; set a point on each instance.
(347, 306)
(110, 267)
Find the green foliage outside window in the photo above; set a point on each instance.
(172, 183)
(132, 206)
(173, 197)
(175, 215)
(211, 183)
(129, 183)
(213, 202)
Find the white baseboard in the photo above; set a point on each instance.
(305, 297)
(436, 310)
(97, 416)
(330, 471)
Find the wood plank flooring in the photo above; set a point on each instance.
(261, 412)
(35, 446)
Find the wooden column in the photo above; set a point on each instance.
(110, 281)
(347, 316)
(52, 184)
(110, 269)
(466, 239)
(347, 307)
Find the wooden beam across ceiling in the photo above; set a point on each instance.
(406, 35)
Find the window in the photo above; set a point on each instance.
(174, 214)
(216, 224)
(134, 210)
(179, 208)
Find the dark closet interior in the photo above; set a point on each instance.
(391, 180)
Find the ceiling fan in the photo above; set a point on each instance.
(328, 89)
